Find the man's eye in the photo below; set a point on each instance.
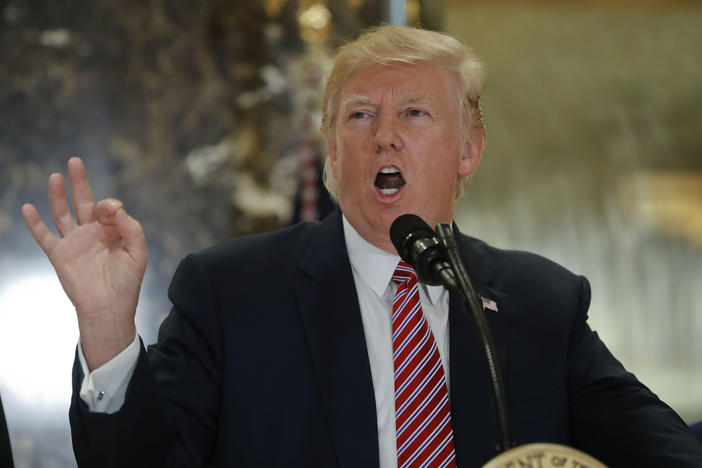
(358, 115)
(415, 112)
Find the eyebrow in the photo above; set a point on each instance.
(355, 101)
(405, 97)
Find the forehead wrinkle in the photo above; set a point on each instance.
(414, 97)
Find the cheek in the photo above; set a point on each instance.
(342, 172)
(442, 174)
(347, 164)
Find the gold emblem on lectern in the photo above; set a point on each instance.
(543, 455)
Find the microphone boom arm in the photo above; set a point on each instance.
(464, 288)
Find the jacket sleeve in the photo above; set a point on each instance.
(614, 417)
(5, 449)
(169, 416)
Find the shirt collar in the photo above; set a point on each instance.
(374, 266)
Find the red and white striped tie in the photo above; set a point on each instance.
(422, 414)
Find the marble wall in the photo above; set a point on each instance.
(594, 159)
(191, 113)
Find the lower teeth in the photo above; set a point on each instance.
(389, 191)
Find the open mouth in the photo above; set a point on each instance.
(389, 180)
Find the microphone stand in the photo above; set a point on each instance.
(464, 288)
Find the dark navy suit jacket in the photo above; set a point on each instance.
(262, 362)
(5, 449)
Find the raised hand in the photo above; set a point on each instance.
(100, 259)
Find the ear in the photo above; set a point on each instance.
(472, 152)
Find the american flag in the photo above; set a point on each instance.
(489, 304)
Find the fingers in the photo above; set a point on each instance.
(110, 212)
(60, 211)
(83, 203)
(44, 237)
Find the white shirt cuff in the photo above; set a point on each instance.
(103, 389)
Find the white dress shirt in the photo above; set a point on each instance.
(103, 389)
(372, 272)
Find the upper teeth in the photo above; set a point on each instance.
(389, 170)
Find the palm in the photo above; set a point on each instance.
(91, 259)
(100, 258)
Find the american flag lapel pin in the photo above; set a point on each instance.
(489, 304)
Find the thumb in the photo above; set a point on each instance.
(106, 211)
(111, 212)
(132, 234)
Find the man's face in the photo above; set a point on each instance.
(397, 147)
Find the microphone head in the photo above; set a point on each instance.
(404, 230)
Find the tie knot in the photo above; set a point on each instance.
(403, 272)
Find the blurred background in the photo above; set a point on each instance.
(202, 117)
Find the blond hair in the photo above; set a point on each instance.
(390, 44)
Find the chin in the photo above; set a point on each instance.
(389, 216)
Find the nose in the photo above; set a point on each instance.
(387, 136)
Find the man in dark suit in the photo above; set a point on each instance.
(287, 348)
(5, 448)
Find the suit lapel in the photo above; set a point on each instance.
(472, 409)
(331, 319)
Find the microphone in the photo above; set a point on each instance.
(437, 261)
(435, 258)
(416, 243)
